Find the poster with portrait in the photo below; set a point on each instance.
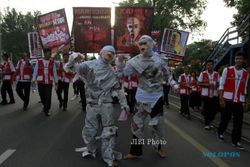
(92, 29)
(130, 24)
(174, 43)
(53, 31)
(35, 48)
(156, 35)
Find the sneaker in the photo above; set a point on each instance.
(207, 127)
(238, 146)
(220, 137)
(211, 126)
(60, 105)
(48, 113)
(188, 117)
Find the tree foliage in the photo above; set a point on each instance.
(183, 14)
(243, 7)
(198, 51)
(14, 28)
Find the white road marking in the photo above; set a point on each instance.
(6, 155)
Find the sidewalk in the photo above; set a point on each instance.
(246, 119)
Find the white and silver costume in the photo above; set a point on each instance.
(101, 85)
(150, 69)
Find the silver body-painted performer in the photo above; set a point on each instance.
(150, 69)
(101, 85)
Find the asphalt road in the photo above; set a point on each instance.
(30, 139)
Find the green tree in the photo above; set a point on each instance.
(14, 28)
(198, 51)
(183, 14)
(243, 8)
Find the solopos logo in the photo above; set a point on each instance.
(221, 154)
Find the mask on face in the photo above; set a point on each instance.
(146, 45)
(104, 50)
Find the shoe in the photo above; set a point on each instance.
(211, 126)
(238, 146)
(60, 105)
(48, 113)
(11, 102)
(220, 137)
(3, 103)
(24, 108)
(188, 117)
(207, 127)
(130, 156)
(64, 109)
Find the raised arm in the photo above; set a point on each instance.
(75, 65)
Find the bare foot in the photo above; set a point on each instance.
(161, 153)
(130, 156)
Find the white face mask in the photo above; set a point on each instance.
(108, 57)
(145, 47)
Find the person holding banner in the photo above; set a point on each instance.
(150, 68)
(101, 85)
(23, 78)
(45, 73)
(8, 74)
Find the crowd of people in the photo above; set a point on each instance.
(141, 85)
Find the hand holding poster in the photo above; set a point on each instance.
(53, 31)
(174, 43)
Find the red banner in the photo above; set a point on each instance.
(92, 29)
(53, 31)
(130, 24)
(156, 35)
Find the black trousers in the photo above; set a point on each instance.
(81, 88)
(136, 149)
(23, 91)
(235, 109)
(63, 87)
(45, 92)
(195, 99)
(210, 108)
(76, 88)
(165, 93)
(131, 99)
(7, 87)
(184, 104)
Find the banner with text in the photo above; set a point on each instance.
(92, 29)
(35, 48)
(53, 31)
